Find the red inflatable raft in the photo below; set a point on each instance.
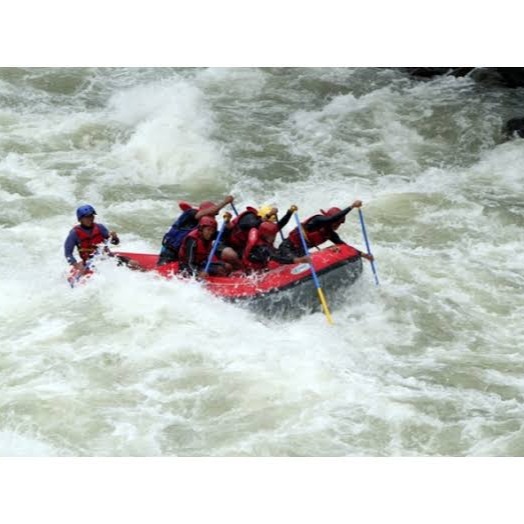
(282, 287)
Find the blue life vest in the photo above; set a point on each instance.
(175, 236)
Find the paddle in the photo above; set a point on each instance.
(361, 216)
(74, 278)
(88, 264)
(234, 208)
(321, 296)
(227, 218)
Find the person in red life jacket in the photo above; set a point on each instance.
(86, 237)
(236, 237)
(318, 229)
(185, 223)
(260, 249)
(195, 250)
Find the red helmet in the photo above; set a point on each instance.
(184, 206)
(207, 222)
(206, 205)
(333, 211)
(268, 228)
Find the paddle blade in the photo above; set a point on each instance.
(324, 305)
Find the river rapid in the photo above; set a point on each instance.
(431, 362)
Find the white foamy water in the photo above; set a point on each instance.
(429, 363)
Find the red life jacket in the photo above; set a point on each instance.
(237, 238)
(254, 239)
(313, 238)
(88, 241)
(203, 248)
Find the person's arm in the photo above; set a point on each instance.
(252, 252)
(191, 247)
(320, 221)
(286, 218)
(367, 256)
(188, 220)
(335, 238)
(112, 236)
(213, 210)
(69, 246)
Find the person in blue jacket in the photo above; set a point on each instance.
(184, 224)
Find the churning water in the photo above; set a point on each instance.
(429, 363)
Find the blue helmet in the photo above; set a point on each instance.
(84, 211)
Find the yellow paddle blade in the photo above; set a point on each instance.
(324, 305)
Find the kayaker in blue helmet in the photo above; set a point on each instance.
(86, 237)
(184, 224)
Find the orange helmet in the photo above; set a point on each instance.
(207, 222)
(268, 229)
(333, 211)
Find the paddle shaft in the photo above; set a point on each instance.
(215, 246)
(321, 296)
(364, 234)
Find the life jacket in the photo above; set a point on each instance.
(237, 238)
(254, 240)
(88, 241)
(177, 233)
(203, 248)
(313, 238)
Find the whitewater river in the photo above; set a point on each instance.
(429, 363)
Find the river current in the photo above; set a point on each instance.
(428, 363)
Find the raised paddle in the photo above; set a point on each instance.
(361, 216)
(321, 296)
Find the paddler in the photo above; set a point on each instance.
(88, 237)
(318, 229)
(184, 224)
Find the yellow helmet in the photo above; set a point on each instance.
(264, 211)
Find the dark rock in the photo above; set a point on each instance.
(514, 128)
(512, 76)
(508, 76)
(462, 71)
(429, 72)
